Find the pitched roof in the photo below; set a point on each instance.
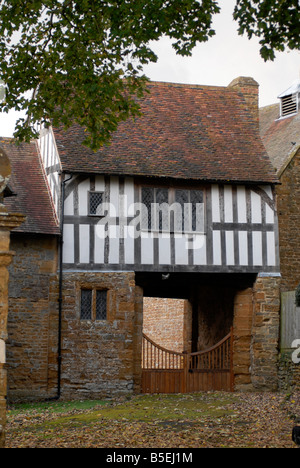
(186, 132)
(281, 137)
(29, 184)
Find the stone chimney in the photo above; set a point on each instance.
(249, 88)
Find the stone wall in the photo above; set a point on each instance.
(168, 322)
(8, 221)
(3, 386)
(242, 331)
(288, 196)
(256, 336)
(101, 357)
(288, 372)
(33, 318)
(265, 333)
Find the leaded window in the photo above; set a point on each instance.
(93, 304)
(155, 209)
(190, 215)
(86, 304)
(147, 202)
(101, 299)
(95, 203)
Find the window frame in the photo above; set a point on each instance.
(93, 192)
(91, 305)
(157, 219)
(94, 290)
(190, 229)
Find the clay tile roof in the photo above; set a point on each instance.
(29, 184)
(186, 132)
(281, 137)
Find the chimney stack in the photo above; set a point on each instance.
(249, 88)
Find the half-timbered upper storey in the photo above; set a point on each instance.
(188, 186)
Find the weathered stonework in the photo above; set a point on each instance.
(137, 338)
(288, 196)
(242, 330)
(288, 373)
(265, 333)
(101, 358)
(282, 142)
(33, 318)
(3, 385)
(7, 222)
(256, 336)
(168, 322)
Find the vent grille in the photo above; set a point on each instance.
(289, 105)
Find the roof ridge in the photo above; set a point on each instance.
(170, 84)
(269, 106)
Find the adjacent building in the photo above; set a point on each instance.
(280, 125)
(181, 205)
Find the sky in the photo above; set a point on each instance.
(217, 62)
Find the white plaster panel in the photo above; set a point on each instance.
(228, 204)
(217, 255)
(215, 201)
(84, 243)
(68, 237)
(257, 248)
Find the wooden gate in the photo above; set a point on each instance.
(165, 371)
